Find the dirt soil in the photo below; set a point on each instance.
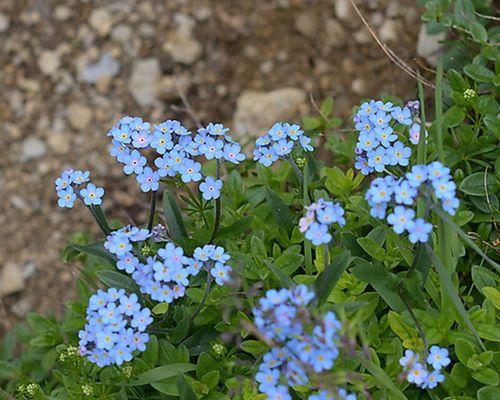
(69, 69)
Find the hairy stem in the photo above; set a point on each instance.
(152, 210)
(217, 208)
(205, 296)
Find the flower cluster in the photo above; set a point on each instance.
(378, 145)
(279, 141)
(165, 276)
(318, 218)
(214, 259)
(115, 328)
(304, 344)
(419, 374)
(177, 149)
(68, 188)
(433, 179)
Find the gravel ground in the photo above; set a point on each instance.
(69, 69)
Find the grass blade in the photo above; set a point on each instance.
(449, 288)
(173, 216)
(327, 280)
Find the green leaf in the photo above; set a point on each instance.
(326, 281)
(464, 350)
(327, 106)
(117, 280)
(479, 72)
(280, 210)
(483, 277)
(382, 378)
(173, 216)
(478, 31)
(476, 184)
(254, 347)
(445, 217)
(493, 295)
(381, 280)
(487, 376)
(372, 248)
(235, 229)
(285, 280)
(488, 393)
(450, 290)
(398, 326)
(290, 260)
(160, 308)
(160, 373)
(454, 116)
(96, 249)
(185, 391)
(101, 218)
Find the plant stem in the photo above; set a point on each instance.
(104, 229)
(297, 170)
(217, 208)
(439, 110)
(152, 209)
(422, 142)
(307, 244)
(205, 296)
(414, 318)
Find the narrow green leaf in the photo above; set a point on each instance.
(444, 216)
(160, 373)
(280, 210)
(101, 218)
(173, 216)
(96, 249)
(117, 280)
(382, 378)
(185, 391)
(447, 284)
(286, 281)
(235, 229)
(327, 280)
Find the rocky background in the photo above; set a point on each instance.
(69, 69)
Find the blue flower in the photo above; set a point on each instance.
(417, 176)
(119, 150)
(233, 154)
(367, 141)
(165, 166)
(212, 148)
(402, 115)
(380, 119)
(134, 163)
(267, 378)
(65, 180)
(318, 234)
(408, 359)
(190, 171)
(267, 157)
(92, 195)
(141, 319)
(127, 263)
(283, 147)
(438, 357)
(210, 188)
(377, 159)
(419, 231)
(401, 219)
(305, 143)
(385, 135)
(444, 188)
(399, 154)
(362, 165)
(221, 273)
(451, 205)
(141, 138)
(417, 374)
(293, 131)
(216, 129)
(79, 177)
(404, 193)
(432, 380)
(67, 197)
(162, 139)
(277, 132)
(149, 180)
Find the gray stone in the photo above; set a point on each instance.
(32, 148)
(344, 10)
(13, 276)
(335, 35)
(183, 49)
(256, 111)
(4, 22)
(79, 115)
(428, 46)
(144, 81)
(306, 24)
(49, 62)
(389, 31)
(107, 67)
(101, 20)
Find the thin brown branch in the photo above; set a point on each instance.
(389, 52)
(187, 105)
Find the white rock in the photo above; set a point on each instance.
(344, 10)
(101, 20)
(335, 35)
(11, 279)
(79, 115)
(144, 81)
(306, 24)
(107, 67)
(121, 33)
(183, 49)
(4, 22)
(256, 111)
(428, 46)
(32, 148)
(62, 12)
(49, 62)
(389, 31)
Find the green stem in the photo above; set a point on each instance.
(439, 110)
(422, 142)
(104, 228)
(217, 208)
(414, 318)
(297, 170)
(307, 244)
(204, 299)
(152, 210)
